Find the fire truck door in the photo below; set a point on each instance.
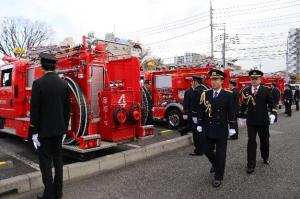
(6, 92)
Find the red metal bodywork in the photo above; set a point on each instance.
(107, 85)
(181, 81)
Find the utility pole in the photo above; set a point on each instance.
(287, 61)
(211, 31)
(224, 47)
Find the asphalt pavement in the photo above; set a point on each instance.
(178, 175)
(24, 160)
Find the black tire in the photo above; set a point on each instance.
(174, 118)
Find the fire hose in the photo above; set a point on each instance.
(146, 106)
(83, 113)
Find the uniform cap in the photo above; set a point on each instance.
(214, 73)
(255, 73)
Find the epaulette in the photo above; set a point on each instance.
(228, 90)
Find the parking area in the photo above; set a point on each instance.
(17, 156)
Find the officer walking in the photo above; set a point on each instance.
(216, 113)
(296, 97)
(236, 104)
(49, 120)
(288, 100)
(197, 138)
(258, 102)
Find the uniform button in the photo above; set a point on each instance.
(210, 122)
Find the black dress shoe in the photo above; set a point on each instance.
(40, 196)
(216, 183)
(266, 162)
(250, 170)
(212, 170)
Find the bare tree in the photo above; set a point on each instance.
(22, 33)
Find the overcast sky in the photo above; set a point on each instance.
(170, 27)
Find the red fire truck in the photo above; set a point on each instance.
(106, 96)
(167, 91)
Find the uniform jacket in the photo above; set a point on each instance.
(195, 100)
(216, 115)
(49, 106)
(276, 95)
(288, 96)
(256, 108)
(187, 102)
(236, 100)
(297, 95)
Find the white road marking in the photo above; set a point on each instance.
(22, 159)
(133, 145)
(274, 132)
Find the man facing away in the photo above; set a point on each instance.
(216, 120)
(257, 101)
(49, 120)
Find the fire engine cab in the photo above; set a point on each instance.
(167, 90)
(106, 105)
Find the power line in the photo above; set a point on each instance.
(248, 5)
(183, 20)
(259, 11)
(257, 6)
(178, 36)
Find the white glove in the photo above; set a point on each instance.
(272, 118)
(199, 129)
(185, 117)
(231, 132)
(241, 122)
(195, 120)
(35, 140)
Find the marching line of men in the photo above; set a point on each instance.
(217, 120)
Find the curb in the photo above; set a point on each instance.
(32, 181)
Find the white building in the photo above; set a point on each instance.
(293, 58)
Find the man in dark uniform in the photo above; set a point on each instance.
(216, 113)
(288, 100)
(236, 103)
(276, 96)
(147, 86)
(198, 139)
(296, 97)
(187, 111)
(257, 101)
(49, 121)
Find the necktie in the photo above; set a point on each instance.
(254, 90)
(215, 94)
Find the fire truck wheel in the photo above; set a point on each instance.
(174, 118)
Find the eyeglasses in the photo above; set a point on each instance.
(254, 78)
